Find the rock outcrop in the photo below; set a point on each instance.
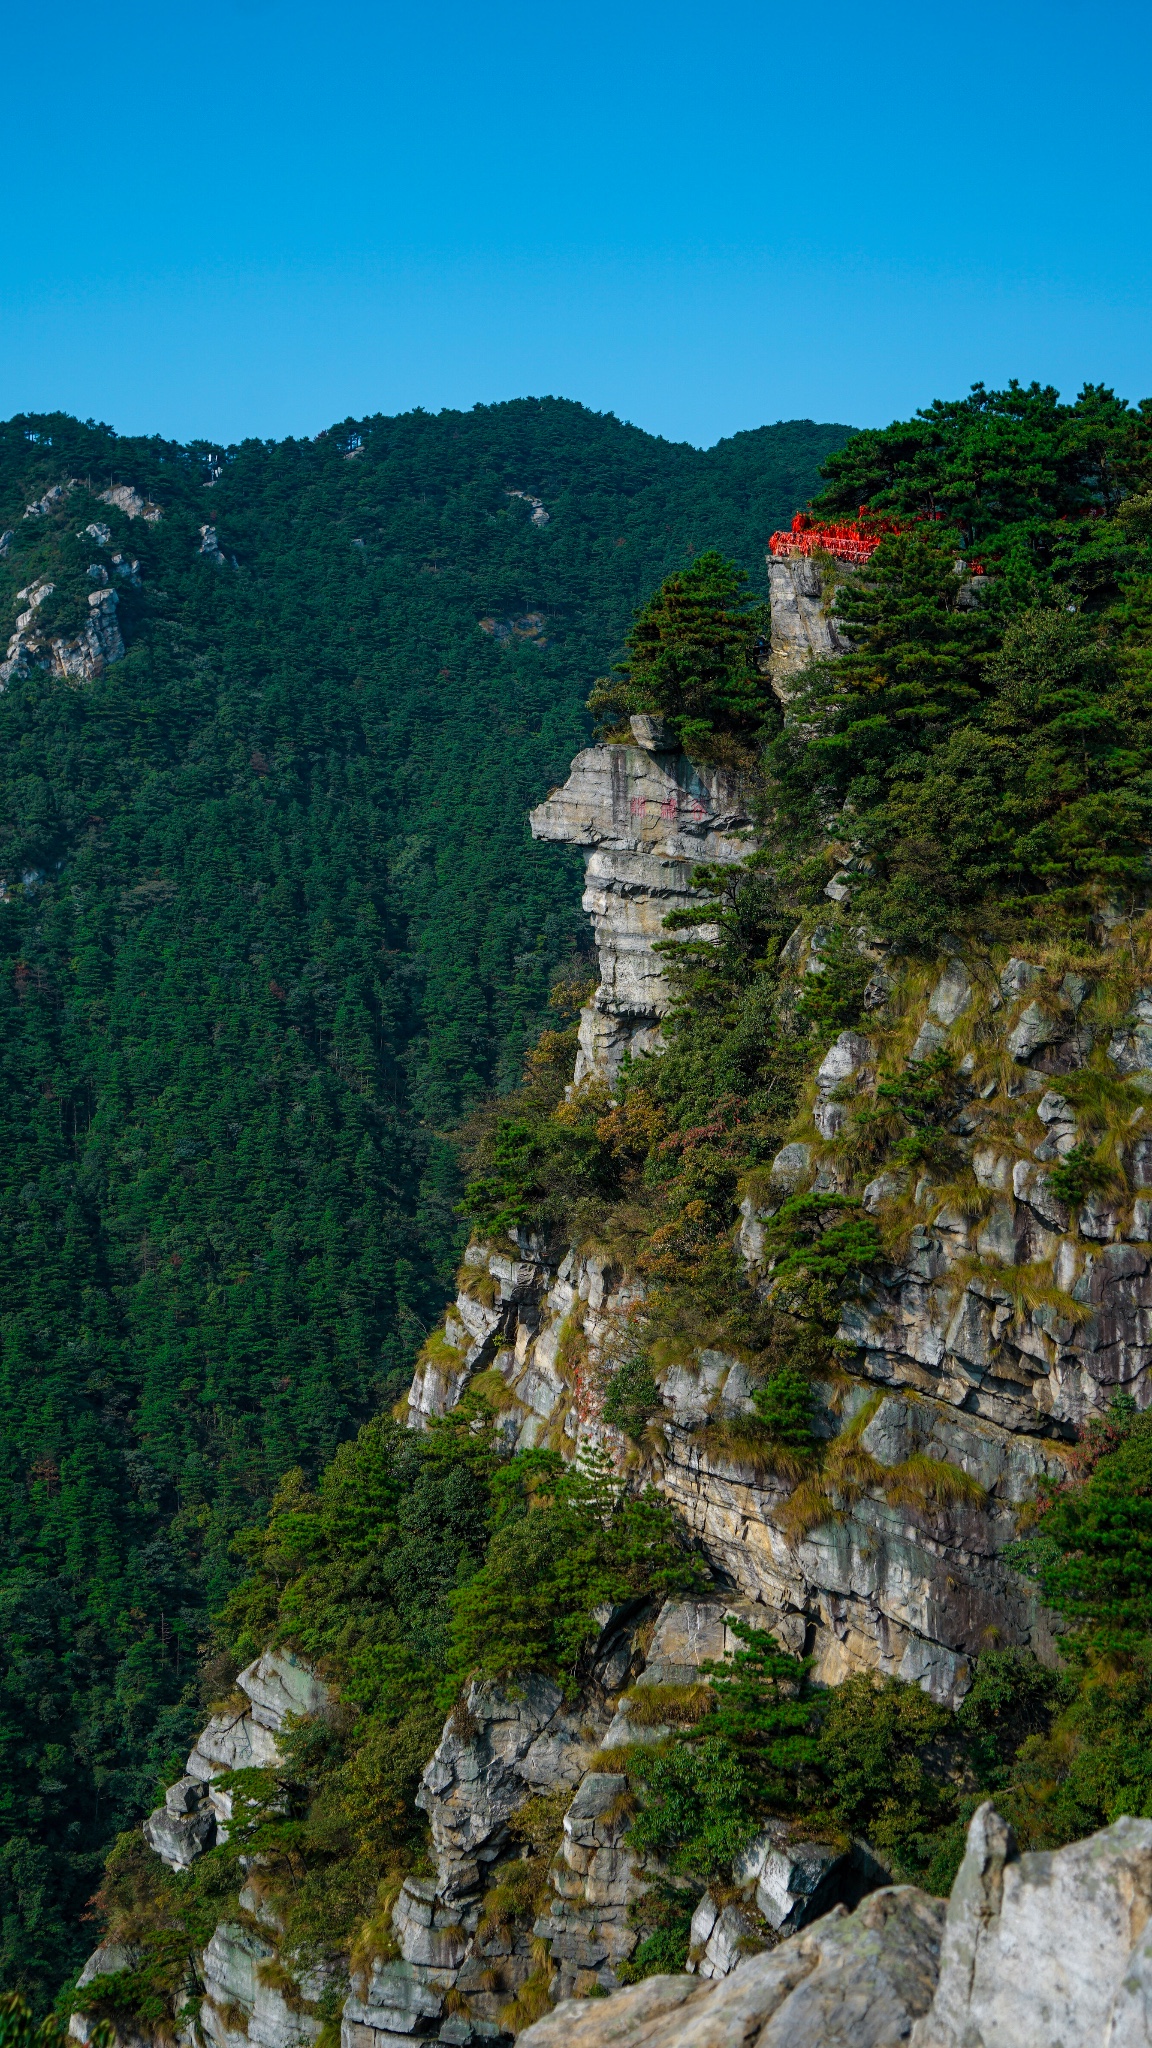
(855, 1980)
(882, 1582)
(457, 1962)
(1039, 1366)
(77, 658)
(132, 503)
(553, 1326)
(803, 628)
(196, 1811)
(242, 1989)
(1033, 1951)
(53, 496)
(1007, 1321)
(74, 656)
(645, 816)
(1043, 1950)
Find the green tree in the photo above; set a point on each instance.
(693, 658)
(568, 1540)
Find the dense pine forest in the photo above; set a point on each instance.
(271, 925)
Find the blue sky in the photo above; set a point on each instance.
(229, 217)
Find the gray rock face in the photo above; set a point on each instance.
(106, 1961)
(278, 1684)
(802, 631)
(551, 1330)
(876, 1587)
(842, 1072)
(402, 1999)
(644, 819)
(720, 1937)
(235, 1971)
(253, 1996)
(473, 1783)
(1130, 1048)
(110, 1958)
(952, 994)
(196, 1812)
(77, 660)
(595, 1881)
(986, 1376)
(979, 1348)
(1042, 1951)
(1034, 1029)
(179, 1838)
(51, 498)
(210, 547)
(232, 1742)
(129, 500)
(855, 1980)
(794, 1881)
(655, 735)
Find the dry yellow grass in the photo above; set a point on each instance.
(653, 1706)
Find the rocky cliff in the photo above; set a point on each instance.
(1006, 1310)
(803, 625)
(645, 817)
(1032, 1951)
(1007, 1320)
(1007, 1316)
(483, 1928)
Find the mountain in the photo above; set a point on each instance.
(765, 1532)
(271, 922)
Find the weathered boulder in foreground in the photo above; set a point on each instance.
(854, 1980)
(1047, 1950)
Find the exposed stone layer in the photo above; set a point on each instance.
(875, 1585)
(802, 629)
(645, 817)
(76, 659)
(196, 1810)
(947, 1321)
(1034, 1951)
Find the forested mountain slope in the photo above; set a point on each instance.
(778, 1486)
(270, 921)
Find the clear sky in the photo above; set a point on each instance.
(230, 217)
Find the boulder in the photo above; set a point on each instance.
(855, 1980)
(951, 995)
(847, 1058)
(930, 1037)
(1046, 1949)
(1033, 1029)
(1131, 1044)
(793, 1882)
(721, 1936)
(791, 1165)
(655, 735)
(278, 1684)
(179, 1838)
(1017, 976)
